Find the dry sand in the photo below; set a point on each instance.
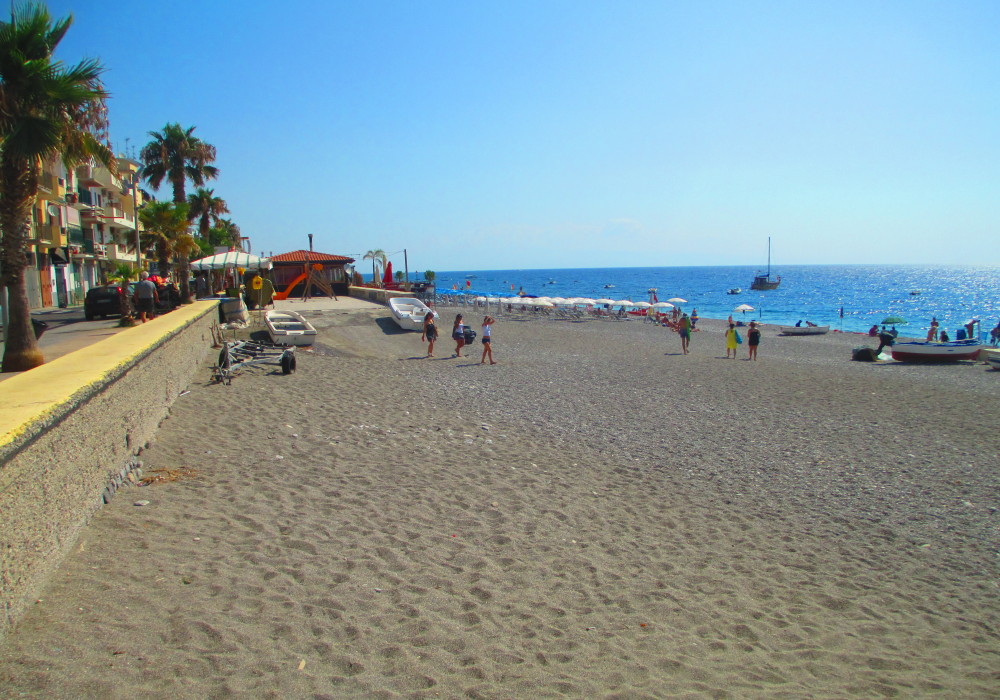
(595, 516)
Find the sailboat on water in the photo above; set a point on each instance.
(765, 282)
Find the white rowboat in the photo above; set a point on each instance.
(289, 328)
(804, 330)
(409, 312)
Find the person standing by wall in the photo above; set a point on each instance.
(487, 337)
(430, 332)
(146, 297)
(753, 340)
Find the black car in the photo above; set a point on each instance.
(106, 300)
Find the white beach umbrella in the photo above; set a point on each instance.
(662, 305)
(744, 308)
(642, 305)
(605, 301)
(678, 300)
(544, 302)
(623, 302)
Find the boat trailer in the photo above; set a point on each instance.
(238, 354)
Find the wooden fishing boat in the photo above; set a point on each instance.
(952, 351)
(409, 312)
(289, 328)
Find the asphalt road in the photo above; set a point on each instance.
(68, 331)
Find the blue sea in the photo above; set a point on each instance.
(817, 293)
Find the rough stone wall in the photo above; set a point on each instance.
(59, 476)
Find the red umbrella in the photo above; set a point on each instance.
(387, 277)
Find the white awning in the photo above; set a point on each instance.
(231, 258)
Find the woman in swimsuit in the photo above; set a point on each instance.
(487, 347)
(430, 333)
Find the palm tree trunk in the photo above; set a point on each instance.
(18, 180)
(184, 272)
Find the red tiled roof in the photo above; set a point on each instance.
(299, 256)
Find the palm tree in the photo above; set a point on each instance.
(166, 234)
(46, 109)
(204, 206)
(376, 255)
(177, 155)
(231, 234)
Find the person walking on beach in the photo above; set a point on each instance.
(932, 331)
(684, 329)
(430, 333)
(458, 335)
(753, 340)
(731, 341)
(487, 335)
(145, 296)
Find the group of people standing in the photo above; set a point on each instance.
(430, 334)
(685, 326)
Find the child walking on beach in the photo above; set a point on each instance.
(458, 334)
(430, 333)
(487, 346)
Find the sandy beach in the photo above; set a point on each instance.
(597, 515)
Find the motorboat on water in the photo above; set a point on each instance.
(409, 312)
(803, 330)
(735, 290)
(765, 282)
(289, 328)
(609, 286)
(920, 351)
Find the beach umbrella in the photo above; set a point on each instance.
(605, 301)
(662, 305)
(744, 308)
(677, 300)
(642, 305)
(893, 320)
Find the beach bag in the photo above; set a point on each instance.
(739, 338)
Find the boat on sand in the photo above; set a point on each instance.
(920, 351)
(289, 328)
(803, 330)
(409, 312)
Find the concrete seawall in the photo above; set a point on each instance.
(71, 430)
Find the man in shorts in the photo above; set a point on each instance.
(684, 329)
(145, 297)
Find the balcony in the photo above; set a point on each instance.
(118, 253)
(48, 184)
(100, 250)
(96, 176)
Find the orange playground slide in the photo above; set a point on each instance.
(284, 294)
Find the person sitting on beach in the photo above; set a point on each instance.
(944, 337)
(684, 328)
(753, 340)
(487, 336)
(873, 331)
(458, 335)
(430, 332)
(798, 324)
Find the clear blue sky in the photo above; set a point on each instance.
(538, 133)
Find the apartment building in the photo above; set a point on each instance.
(83, 224)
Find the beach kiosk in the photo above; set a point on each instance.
(292, 270)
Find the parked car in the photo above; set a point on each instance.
(103, 301)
